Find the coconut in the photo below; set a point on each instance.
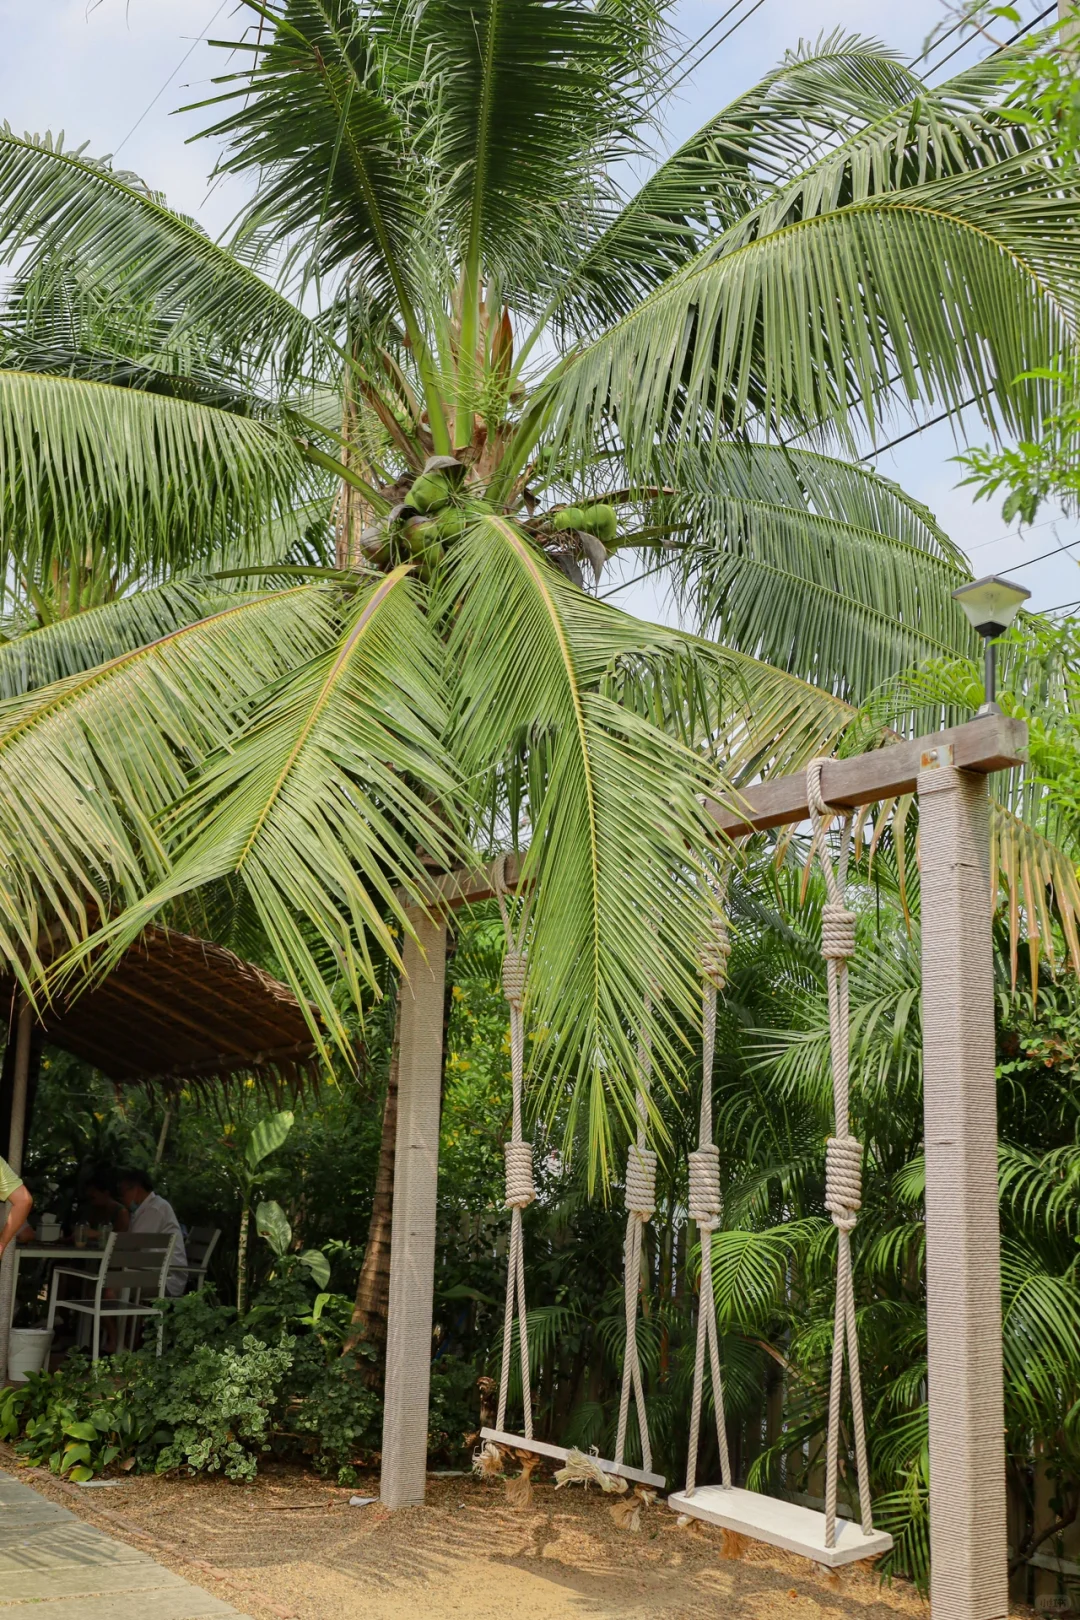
(601, 521)
(430, 492)
(451, 523)
(571, 517)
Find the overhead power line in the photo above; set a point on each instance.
(1020, 32)
(151, 104)
(953, 410)
(716, 43)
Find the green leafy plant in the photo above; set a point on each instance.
(216, 1405)
(265, 1138)
(272, 1223)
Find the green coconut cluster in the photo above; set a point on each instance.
(426, 521)
(599, 520)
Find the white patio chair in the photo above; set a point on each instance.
(131, 1264)
(200, 1244)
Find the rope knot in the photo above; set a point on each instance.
(837, 933)
(520, 1190)
(714, 954)
(843, 1180)
(641, 1182)
(704, 1200)
(514, 968)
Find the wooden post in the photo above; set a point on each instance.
(24, 1025)
(412, 1241)
(969, 1579)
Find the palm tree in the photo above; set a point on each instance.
(446, 337)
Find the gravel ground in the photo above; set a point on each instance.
(291, 1548)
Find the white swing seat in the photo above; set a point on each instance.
(541, 1448)
(782, 1524)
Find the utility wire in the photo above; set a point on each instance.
(922, 427)
(715, 45)
(150, 105)
(1058, 551)
(1020, 32)
(692, 47)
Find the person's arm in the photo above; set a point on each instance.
(19, 1207)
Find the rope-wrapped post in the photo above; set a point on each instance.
(843, 1154)
(520, 1187)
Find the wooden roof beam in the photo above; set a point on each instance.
(992, 742)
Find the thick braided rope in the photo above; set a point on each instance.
(640, 1204)
(843, 1154)
(704, 1208)
(520, 1190)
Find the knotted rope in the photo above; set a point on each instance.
(843, 1154)
(704, 1208)
(520, 1190)
(640, 1204)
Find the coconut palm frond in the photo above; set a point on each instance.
(61, 207)
(608, 802)
(326, 806)
(726, 167)
(320, 109)
(535, 103)
(805, 321)
(151, 480)
(66, 647)
(90, 763)
(817, 566)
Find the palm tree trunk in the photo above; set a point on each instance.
(373, 1286)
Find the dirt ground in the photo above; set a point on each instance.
(289, 1546)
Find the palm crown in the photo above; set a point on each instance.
(446, 340)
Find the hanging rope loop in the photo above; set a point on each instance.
(641, 1182)
(843, 1180)
(837, 933)
(514, 968)
(843, 1154)
(714, 954)
(703, 1201)
(520, 1188)
(703, 1204)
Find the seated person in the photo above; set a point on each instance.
(101, 1193)
(149, 1212)
(15, 1193)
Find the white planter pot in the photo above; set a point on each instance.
(28, 1352)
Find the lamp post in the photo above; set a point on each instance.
(990, 606)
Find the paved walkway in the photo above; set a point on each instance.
(56, 1567)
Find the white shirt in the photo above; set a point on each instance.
(156, 1214)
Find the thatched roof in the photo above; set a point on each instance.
(177, 1009)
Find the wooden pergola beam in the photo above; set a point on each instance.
(993, 742)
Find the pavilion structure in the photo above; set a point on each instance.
(175, 1012)
(949, 772)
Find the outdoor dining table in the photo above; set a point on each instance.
(48, 1251)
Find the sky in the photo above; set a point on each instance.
(112, 74)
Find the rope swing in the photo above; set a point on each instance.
(640, 1207)
(520, 1193)
(843, 1154)
(778, 1521)
(520, 1188)
(704, 1208)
